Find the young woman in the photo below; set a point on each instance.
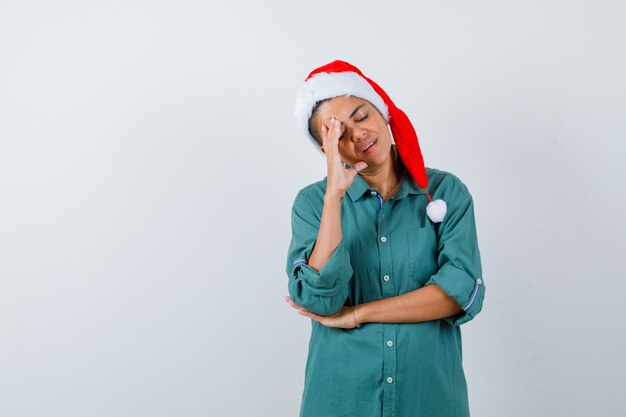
(386, 273)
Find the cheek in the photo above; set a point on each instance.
(384, 130)
(345, 150)
(382, 123)
(342, 147)
(378, 125)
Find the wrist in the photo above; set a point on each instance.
(358, 315)
(334, 196)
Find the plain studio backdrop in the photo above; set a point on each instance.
(149, 159)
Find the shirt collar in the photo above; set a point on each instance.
(407, 185)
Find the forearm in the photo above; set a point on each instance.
(426, 303)
(330, 234)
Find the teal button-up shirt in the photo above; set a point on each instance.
(388, 248)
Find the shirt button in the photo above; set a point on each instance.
(383, 239)
(373, 193)
(386, 278)
(389, 343)
(389, 380)
(479, 281)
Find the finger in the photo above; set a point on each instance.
(333, 139)
(361, 165)
(325, 132)
(356, 168)
(297, 307)
(330, 128)
(311, 315)
(324, 135)
(335, 131)
(294, 305)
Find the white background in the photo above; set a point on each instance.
(149, 158)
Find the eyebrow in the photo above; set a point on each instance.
(356, 110)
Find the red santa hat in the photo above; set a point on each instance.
(340, 78)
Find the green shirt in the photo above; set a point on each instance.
(388, 248)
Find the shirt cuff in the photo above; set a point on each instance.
(468, 292)
(332, 276)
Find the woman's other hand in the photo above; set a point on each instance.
(344, 319)
(338, 179)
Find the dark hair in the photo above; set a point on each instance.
(312, 130)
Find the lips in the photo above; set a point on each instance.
(369, 146)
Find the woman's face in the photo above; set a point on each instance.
(365, 135)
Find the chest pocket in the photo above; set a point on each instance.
(414, 253)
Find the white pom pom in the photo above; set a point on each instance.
(436, 210)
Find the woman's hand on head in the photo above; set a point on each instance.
(344, 319)
(338, 179)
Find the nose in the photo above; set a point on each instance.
(358, 133)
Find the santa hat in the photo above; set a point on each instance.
(340, 78)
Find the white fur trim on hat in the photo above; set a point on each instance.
(327, 85)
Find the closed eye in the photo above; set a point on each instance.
(364, 117)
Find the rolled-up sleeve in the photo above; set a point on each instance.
(325, 291)
(460, 270)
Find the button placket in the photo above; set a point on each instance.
(389, 329)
